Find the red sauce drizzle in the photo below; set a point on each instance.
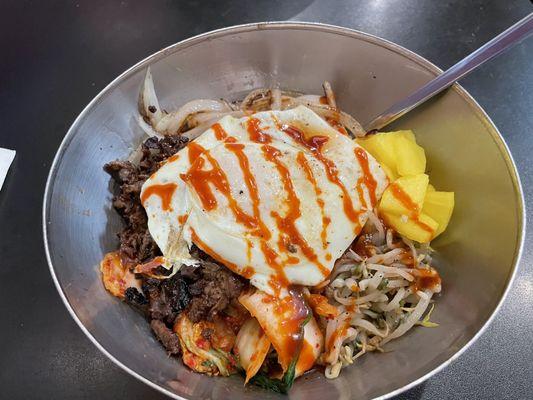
(262, 230)
(173, 158)
(287, 224)
(314, 144)
(149, 266)
(350, 308)
(201, 179)
(195, 151)
(251, 184)
(363, 246)
(293, 260)
(337, 126)
(411, 206)
(293, 311)
(255, 133)
(311, 178)
(361, 194)
(339, 332)
(425, 279)
(164, 191)
(367, 178)
(306, 360)
(248, 272)
(220, 133)
(279, 281)
(249, 250)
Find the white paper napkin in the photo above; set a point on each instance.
(6, 158)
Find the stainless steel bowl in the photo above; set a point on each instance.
(477, 256)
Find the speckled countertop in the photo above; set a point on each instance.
(57, 55)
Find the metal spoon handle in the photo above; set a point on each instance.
(496, 46)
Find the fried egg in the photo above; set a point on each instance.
(276, 197)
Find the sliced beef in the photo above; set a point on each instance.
(136, 244)
(213, 291)
(155, 150)
(167, 298)
(166, 336)
(203, 292)
(136, 299)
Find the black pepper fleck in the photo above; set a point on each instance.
(291, 248)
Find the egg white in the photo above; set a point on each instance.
(218, 231)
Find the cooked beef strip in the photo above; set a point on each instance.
(213, 291)
(136, 299)
(155, 150)
(136, 244)
(167, 297)
(203, 292)
(166, 336)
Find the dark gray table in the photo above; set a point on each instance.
(57, 55)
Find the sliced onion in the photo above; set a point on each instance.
(148, 104)
(193, 133)
(310, 98)
(204, 117)
(147, 128)
(254, 97)
(170, 124)
(276, 99)
(328, 91)
(325, 111)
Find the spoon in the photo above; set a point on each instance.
(489, 50)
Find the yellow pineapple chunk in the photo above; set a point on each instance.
(410, 157)
(439, 206)
(397, 152)
(391, 174)
(401, 208)
(409, 135)
(405, 195)
(381, 146)
(420, 229)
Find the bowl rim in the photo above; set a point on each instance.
(291, 25)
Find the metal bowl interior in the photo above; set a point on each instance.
(476, 256)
